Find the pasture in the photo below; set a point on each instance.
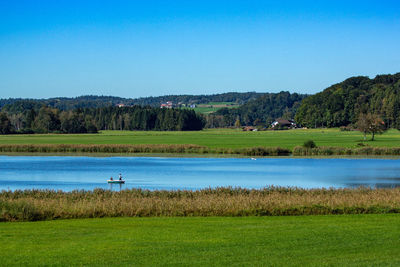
(215, 138)
(214, 106)
(357, 240)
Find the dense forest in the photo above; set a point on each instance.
(16, 105)
(342, 103)
(146, 118)
(261, 111)
(90, 120)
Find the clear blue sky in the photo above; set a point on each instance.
(144, 48)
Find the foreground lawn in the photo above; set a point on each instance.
(358, 240)
(216, 138)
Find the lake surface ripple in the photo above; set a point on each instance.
(70, 173)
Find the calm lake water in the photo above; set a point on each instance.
(69, 173)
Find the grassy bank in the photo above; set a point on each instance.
(350, 240)
(195, 149)
(132, 149)
(212, 139)
(32, 205)
(329, 151)
(221, 141)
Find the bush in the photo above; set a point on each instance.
(346, 128)
(25, 131)
(309, 144)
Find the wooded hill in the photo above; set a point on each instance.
(17, 105)
(263, 110)
(341, 103)
(338, 105)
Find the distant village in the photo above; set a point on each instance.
(168, 104)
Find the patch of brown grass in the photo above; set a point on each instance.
(143, 148)
(47, 204)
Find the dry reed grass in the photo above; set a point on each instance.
(327, 151)
(143, 148)
(196, 149)
(30, 205)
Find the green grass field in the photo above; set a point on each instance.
(213, 138)
(206, 109)
(347, 240)
(214, 106)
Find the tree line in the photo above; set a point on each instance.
(16, 105)
(90, 120)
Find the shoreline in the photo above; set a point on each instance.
(192, 155)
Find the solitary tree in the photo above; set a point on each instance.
(237, 123)
(5, 124)
(370, 123)
(363, 124)
(377, 126)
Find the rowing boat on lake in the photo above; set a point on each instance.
(115, 181)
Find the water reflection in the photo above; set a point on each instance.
(116, 187)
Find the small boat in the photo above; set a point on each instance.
(119, 181)
(115, 181)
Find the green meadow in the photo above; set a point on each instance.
(215, 138)
(344, 240)
(214, 106)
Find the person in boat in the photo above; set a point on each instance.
(111, 179)
(120, 177)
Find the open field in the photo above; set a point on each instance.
(214, 106)
(33, 205)
(346, 240)
(213, 138)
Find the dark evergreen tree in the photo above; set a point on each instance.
(5, 124)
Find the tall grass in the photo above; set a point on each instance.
(326, 151)
(196, 149)
(31, 205)
(143, 148)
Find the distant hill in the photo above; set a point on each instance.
(16, 105)
(337, 105)
(341, 103)
(237, 98)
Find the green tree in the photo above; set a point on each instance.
(47, 120)
(363, 124)
(30, 115)
(377, 125)
(5, 124)
(370, 123)
(237, 123)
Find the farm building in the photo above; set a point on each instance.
(282, 123)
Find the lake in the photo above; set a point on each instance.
(70, 173)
